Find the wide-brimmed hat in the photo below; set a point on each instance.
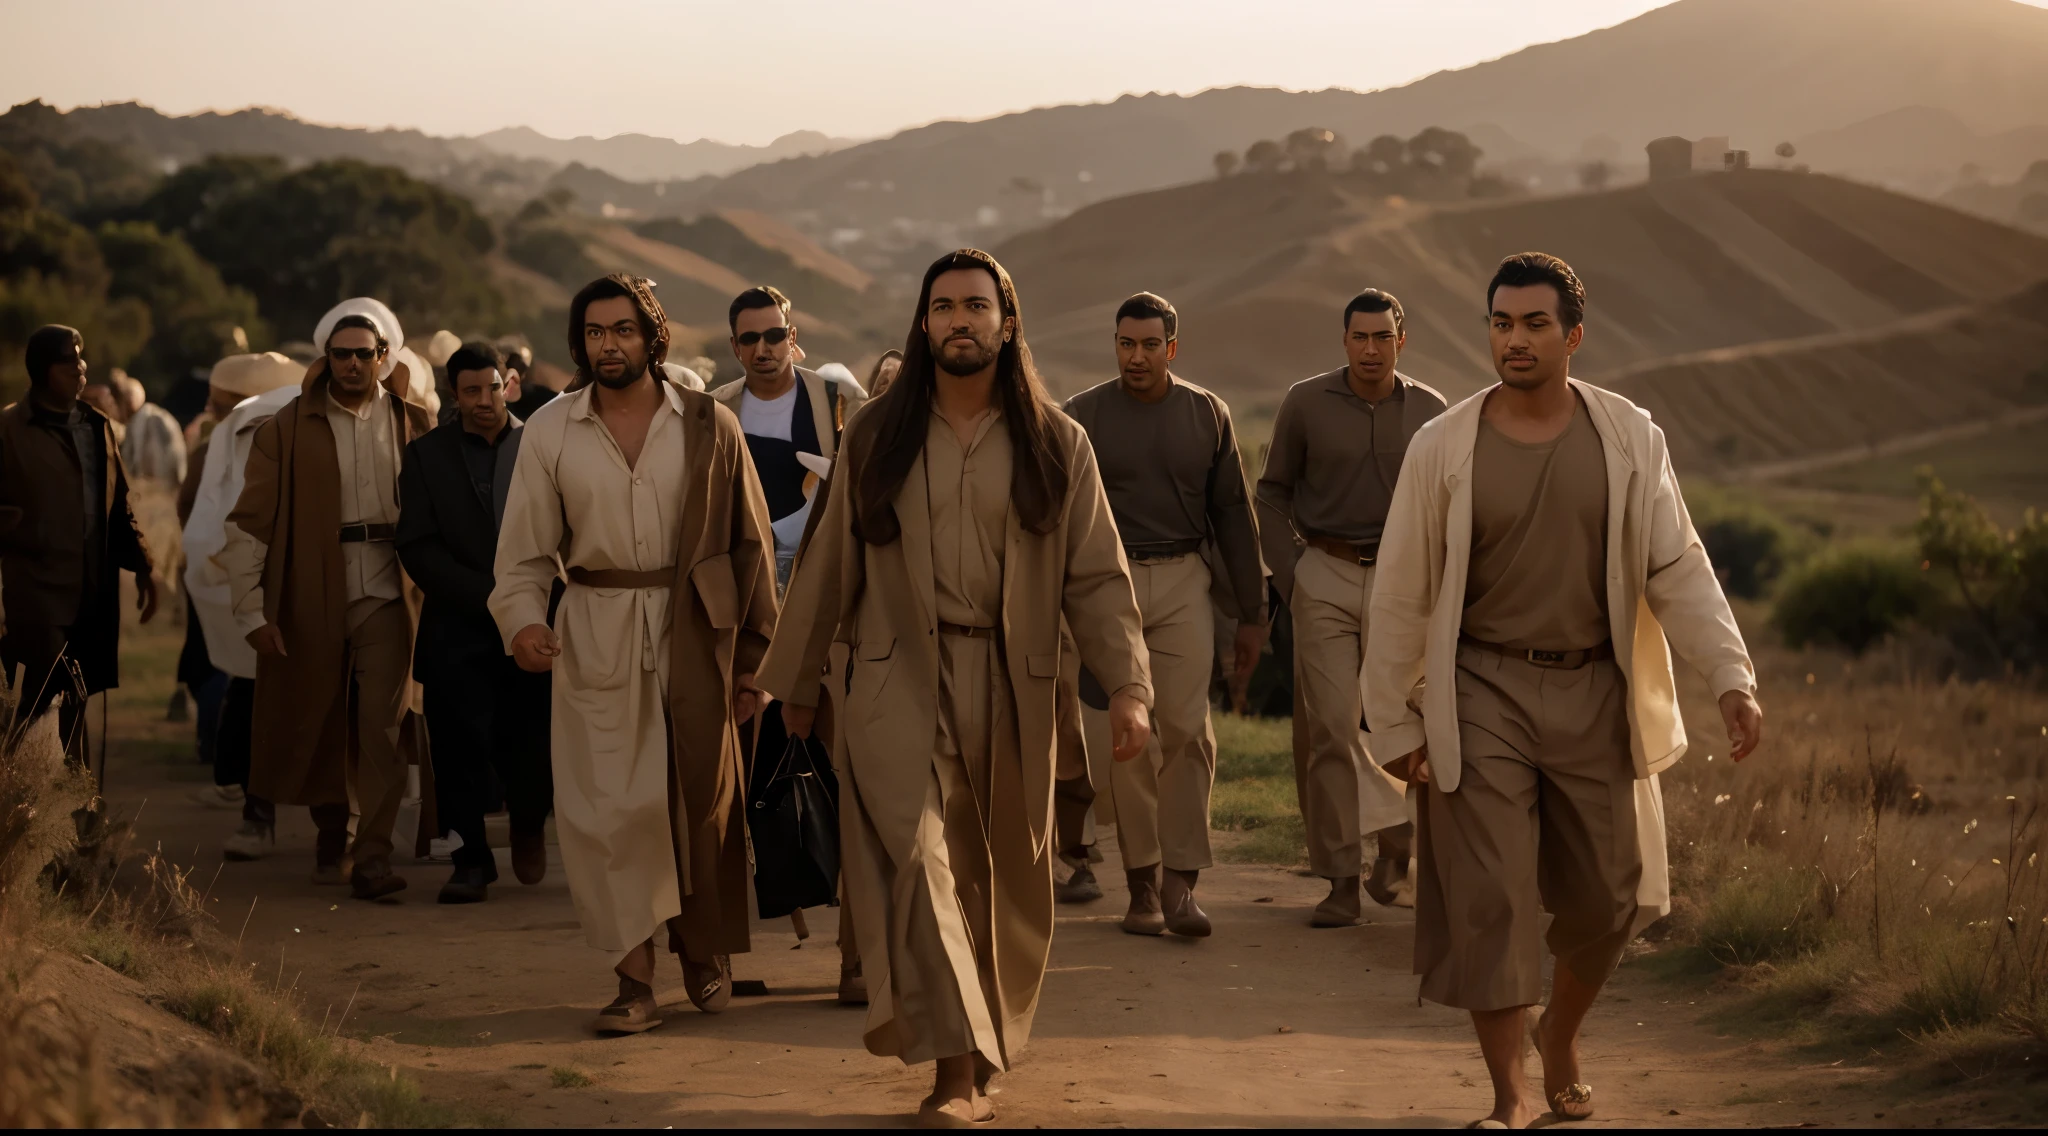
(251, 375)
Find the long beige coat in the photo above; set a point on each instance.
(878, 601)
(291, 505)
(645, 838)
(1661, 594)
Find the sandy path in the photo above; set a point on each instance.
(1267, 1023)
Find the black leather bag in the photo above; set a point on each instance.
(793, 820)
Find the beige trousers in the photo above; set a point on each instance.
(1344, 794)
(1160, 799)
(379, 665)
(1543, 819)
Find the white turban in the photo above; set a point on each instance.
(387, 326)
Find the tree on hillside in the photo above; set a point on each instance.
(1786, 151)
(1594, 176)
(194, 315)
(1445, 151)
(1264, 156)
(76, 176)
(303, 239)
(1313, 147)
(1227, 162)
(1383, 156)
(51, 271)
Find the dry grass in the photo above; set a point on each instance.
(1875, 871)
(71, 888)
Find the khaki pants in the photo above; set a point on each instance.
(1160, 799)
(1543, 819)
(379, 661)
(1343, 793)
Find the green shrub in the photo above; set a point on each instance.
(1764, 913)
(1750, 545)
(1850, 597)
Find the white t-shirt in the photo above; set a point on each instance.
(769, 417)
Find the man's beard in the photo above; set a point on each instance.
(626, 378)
(960, 366)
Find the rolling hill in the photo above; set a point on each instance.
(642, 157)
(1261, 267)
(1760, 71)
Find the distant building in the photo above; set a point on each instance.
(1675, 157)
(1670, 157)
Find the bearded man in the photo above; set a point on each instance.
(645, 491)
(1538, 569)
(967, 520)
(319, 593)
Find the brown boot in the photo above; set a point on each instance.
(1183, 915)
(374, 881)
(530, 854)
(1391, 866)
(633, 1011)
(1145, 916)
(1343, 907)
(1080, 887)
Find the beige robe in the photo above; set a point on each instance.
(903, 795)
(1662, 595)
(645, 672)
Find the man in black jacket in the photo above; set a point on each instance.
(483, 712)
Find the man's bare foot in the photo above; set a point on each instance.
(957, 1100)
(1515, 1115)
(1568, 1097)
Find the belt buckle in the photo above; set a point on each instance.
(1547, 658)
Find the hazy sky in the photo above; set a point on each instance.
(730, 69)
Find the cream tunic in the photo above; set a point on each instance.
(573, 494)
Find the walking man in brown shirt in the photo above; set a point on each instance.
(1537, 562)
(1169, 462)
(1338, 441)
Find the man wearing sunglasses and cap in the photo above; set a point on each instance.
(319, 593)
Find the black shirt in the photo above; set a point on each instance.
(480, 455)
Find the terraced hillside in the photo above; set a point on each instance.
(1260, 269)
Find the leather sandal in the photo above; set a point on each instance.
(709, 983)
(955, 1113)
(633, 1011)
(1574, 1101)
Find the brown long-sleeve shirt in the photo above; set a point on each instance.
(1333, 463)
(1173, 476)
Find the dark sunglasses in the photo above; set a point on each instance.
(773, 335)
(341, 354)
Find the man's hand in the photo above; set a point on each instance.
(798, 720)
(147, 588)
(1745, 722)
(267, 640)
(1251, 640)
(1412, 768)
(1130, 726)
(747, 699)
(535, 648)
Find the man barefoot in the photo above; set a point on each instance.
(645, 491)
(965, 520)
(1537, 561)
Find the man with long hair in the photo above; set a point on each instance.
(966, 521)
(1537, 571)
(1168, 454)
(645, 492)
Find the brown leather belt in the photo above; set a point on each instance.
(966, 631)
(363, 533)
(623, 577)
(1344, 549)
(1562, 660)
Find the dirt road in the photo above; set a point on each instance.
(1267, 1023)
